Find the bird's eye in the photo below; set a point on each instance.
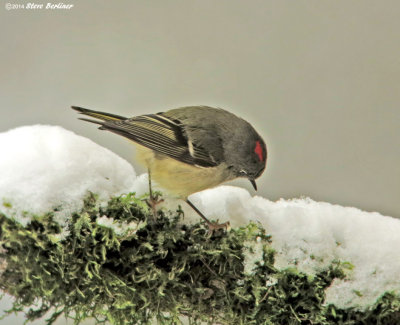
(242, 171)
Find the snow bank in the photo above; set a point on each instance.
(42, 167)
(310, 235)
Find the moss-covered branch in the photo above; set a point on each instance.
(145, 270)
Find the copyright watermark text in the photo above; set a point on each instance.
(38, 6)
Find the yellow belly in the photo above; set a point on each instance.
(178, 178)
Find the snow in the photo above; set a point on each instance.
(310, 235)
(121, 228)
(43, 167)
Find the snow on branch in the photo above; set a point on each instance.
(67, 251)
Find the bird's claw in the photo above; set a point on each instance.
(152, 202)
(213, 226)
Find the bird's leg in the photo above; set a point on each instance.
(153, 200)
(212, 226)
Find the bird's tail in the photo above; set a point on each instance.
(98, 115)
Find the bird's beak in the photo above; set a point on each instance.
(253, 182)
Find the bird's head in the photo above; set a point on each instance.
(251, 158)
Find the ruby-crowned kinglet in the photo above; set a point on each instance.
(190, 149)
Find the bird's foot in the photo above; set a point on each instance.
(213, 226)
(152, 202)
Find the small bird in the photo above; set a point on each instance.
(190, 149)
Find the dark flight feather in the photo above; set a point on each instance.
(154, 131)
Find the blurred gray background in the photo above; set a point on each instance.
(320, 80)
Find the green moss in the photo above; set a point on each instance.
(7, 204)
(162, 270)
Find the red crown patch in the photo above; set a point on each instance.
(259, 151)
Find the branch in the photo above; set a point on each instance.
(117, 264)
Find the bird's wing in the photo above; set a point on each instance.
(97, 114)
(163, 135)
